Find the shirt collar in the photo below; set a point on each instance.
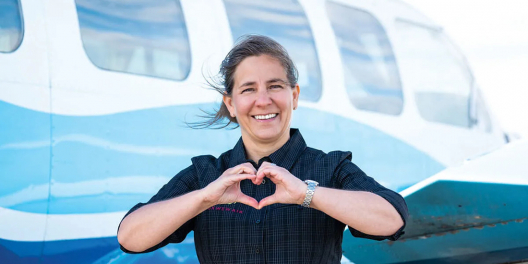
(284, 157)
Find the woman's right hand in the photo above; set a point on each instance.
(226, 189)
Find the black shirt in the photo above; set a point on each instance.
(279, 233)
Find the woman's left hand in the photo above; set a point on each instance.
(289, 189)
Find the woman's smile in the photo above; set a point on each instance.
(266, 117)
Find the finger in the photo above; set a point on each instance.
(247, 200)
(258, 179)
(237, 170)
(260, 176)
(244, 168)
(272, 199)
(250, 166)
(234, 178)
(271, 173)
(266, 165)
(266, 168)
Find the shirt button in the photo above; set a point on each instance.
(263, 181)
(257, 251)
(257, 221)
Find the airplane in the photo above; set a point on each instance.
(96, 95)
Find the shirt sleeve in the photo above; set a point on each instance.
(351, 177)
(184, 182)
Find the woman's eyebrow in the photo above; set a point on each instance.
(250, 83)
(276, 80)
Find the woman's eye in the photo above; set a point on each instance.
(247, 90)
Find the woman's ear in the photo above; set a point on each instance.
(296, 91)
(228, 101)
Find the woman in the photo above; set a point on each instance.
(271, 199)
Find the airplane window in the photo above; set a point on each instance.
(286, 23)
(11, 30)
(441, 80)
(483, 120)
(140, 37)
(371, 76)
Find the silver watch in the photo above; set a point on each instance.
(309, 192)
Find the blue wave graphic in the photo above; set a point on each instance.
(156, 143)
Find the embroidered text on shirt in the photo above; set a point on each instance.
(226, 209)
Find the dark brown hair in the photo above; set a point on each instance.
(246, 46)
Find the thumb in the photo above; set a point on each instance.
(272, 199)
(248, 201)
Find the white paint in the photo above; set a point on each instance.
(21, 226)
(344, 260)
(29, 227)
(80, 226)
(506, 165)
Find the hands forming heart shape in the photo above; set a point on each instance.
(226, 189)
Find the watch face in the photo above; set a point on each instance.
(312, 182)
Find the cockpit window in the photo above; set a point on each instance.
(371, 75)
(482, 119)
(11, 25)
(285, 22)
(140, 37)
(440, 79)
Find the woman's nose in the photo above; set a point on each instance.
(263, 98)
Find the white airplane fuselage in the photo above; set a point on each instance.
(94, 96)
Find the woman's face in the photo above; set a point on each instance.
(262, 100)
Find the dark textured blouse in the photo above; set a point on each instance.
(279, 233)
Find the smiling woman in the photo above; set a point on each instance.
(262, 97)
(271, 198)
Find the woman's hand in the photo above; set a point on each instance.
(226, 189)
(288, 188)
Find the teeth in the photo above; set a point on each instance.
(261, 117)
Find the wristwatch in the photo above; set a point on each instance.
(309, 192)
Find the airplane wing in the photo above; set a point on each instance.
(475, 213)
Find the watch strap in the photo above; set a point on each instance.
(309, 192)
